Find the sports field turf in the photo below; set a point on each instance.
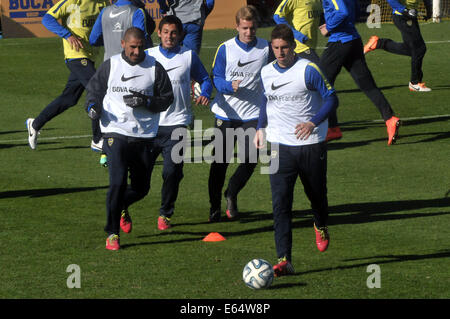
(389, 206)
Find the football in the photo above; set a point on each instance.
(258, 274)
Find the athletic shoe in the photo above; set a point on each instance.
(125, 222)
(97, 147)
(163, 223)
(322, 237)
(113, 242)
(32, 133)
(232, 210)
(392, 125)
(419, 87)
(371, 44)
(283, 268)
(214, 216)
(334, 133)
(104, 160)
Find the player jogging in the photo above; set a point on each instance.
(345, 49)
(128, 92)
(108, 30)
(298, 99)
(77, 18)
(181, 65)
(404, 15)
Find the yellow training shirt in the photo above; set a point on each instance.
(304, 16)
(78, 16)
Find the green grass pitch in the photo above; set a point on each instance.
(389, 206)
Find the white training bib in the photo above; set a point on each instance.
(245, 66)
(116, 116)
(290, 102)
(179, 70)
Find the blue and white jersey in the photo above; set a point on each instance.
(238, 61)
(117, 117)
(340, 17)
(295, 95)
(181, 64)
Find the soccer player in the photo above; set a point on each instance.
(109, 28)
(182, 65)
(298, 100)
(192, 14)
(77, 18)
(303, 17)
(345, 49)
(404, 14)
(115, 19)
(236, 76)
(128, 92)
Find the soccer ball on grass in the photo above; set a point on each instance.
(258, 273)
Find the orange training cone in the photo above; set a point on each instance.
(214, 237)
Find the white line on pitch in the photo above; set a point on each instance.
(202, 131)
(48, 138)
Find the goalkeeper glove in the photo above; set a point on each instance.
(136, 99)
(94, 111)
(410, 13)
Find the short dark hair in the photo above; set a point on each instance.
(283, 32)
(135, 33)
(171, 19)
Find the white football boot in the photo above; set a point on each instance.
(32, 134)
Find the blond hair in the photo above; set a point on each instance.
(248, 13)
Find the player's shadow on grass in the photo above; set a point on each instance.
(402, 140)
(11, 132)
(382, 259)
(198, 236)
(361, 125)
(4, 146)
(74, 147)
(359, 213)
(254, 216)
(440, 87)
(32, 193)
(357, 90)
(277, 285)
(433, 136)
(390, 206)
